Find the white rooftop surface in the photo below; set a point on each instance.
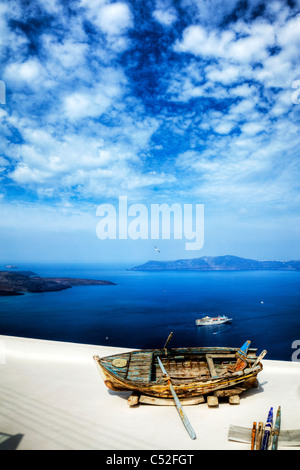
(52, 393)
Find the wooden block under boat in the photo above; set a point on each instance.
(134, 398)
(212, 400)
(234, 400)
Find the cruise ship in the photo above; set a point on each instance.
(213, 320)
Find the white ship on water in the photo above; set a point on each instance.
(213, 320)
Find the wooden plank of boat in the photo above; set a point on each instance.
(211, 366)
(140, 366)
(148, 400)
(241, 362)
(228, 392)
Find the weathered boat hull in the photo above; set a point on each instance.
(193, 371)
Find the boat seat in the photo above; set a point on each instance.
(211, 366)
(140, 366)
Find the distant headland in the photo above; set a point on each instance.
(218, 263)
(19, 282)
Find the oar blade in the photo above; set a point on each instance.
(181, 413)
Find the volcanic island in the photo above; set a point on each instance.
(20, 282)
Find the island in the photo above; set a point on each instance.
(20, 282)
(218, 263)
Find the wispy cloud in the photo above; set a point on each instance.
(188, 99)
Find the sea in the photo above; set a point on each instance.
(143, 308)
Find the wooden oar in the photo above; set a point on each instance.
(253, 435)
(167, 342)
(182, 414)
(259, 435)
(267, 431)
(260, 357)
(276, 429)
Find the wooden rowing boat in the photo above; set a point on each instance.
(192, 371)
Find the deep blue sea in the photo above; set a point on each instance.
(144, 307)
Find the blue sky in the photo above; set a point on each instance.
(167, 101)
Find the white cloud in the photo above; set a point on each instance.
(98, 161)
(111, 18)
(88, 134)
(164, 13)
(254, 46)
(229, 177)
(225, 74)
(114, 18)
(252, 167)
(67, 54)
(199, 41)
(232, 72)
(241, 110)
(95, 100)
(244, 90)
(26, 175)
(288, 35)
(238, 50)
(282, 103)
(29, 71)
(235, 54)
(183, 89)
(224, 127)
(241, 46)
(165, 17)
(85, 103)
(253, 127)
(51, 6)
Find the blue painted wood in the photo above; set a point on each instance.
(276, 429)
